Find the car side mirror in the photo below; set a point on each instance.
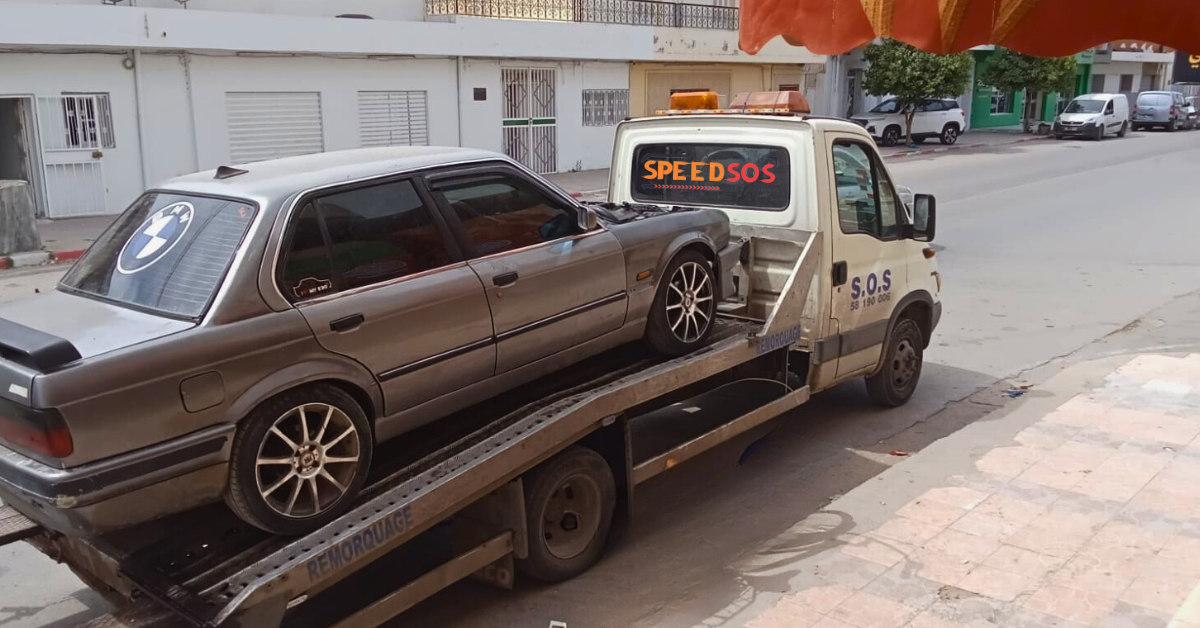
(588, 220)
(924, 217)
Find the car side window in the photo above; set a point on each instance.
(501, 212)
(306, 271)
(1109, 109)
(867, 203)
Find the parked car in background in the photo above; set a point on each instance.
(1160, 110)
(253, 332)
(937, 117)
(1093, 116)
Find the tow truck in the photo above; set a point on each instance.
(837, 281)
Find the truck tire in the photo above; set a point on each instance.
(681, 317)
(569, 503)
(903, 356)
(299, 460)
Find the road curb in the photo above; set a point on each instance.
(29, 259)
(946, 149)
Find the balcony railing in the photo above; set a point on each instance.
(631, 12)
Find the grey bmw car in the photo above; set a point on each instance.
(250, 333)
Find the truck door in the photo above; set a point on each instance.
(868, 251)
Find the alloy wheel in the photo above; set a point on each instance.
(307, 460)
(689, 302)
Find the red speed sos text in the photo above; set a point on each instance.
(704, 172)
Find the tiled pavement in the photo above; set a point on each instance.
(1092, 518)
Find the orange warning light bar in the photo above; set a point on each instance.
(691, 101)
(771, 102)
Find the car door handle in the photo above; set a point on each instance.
(347, 323)
(840, 273)
(505, 279)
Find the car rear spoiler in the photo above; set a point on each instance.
(34, 349)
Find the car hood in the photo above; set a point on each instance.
(1078, 117)
(93, 327)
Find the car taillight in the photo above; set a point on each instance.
(1172, 109)
(41, 431)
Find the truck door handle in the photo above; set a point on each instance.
(347, 323)
(505, 279)
(840, 273)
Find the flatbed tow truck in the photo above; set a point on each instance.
(490, 489)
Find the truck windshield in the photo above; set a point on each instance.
(1085, 106)
(168, 254)
(718, 175)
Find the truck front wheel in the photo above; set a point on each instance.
(903, 356)
(569, 503)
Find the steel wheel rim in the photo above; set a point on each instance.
(904, 363)
(571, 516)
(689, 302)
(307, 460)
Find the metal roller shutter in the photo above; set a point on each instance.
(269, 125)
(393, 118)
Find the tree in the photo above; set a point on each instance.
(912, 76)
(1010, 71)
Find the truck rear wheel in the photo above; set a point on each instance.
(569, 503)
(903, 356)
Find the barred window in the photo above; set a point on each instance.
(87, 120)
(605, 107)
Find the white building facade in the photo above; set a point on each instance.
(100, 99)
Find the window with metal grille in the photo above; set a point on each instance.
(605, 107)
(393, 118)
(87, 121)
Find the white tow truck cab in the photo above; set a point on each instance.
(783, 174)
(836, 280)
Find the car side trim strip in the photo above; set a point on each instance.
(434, 359)
(550, 320)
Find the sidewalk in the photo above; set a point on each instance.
(977, 138)
(1089, 518)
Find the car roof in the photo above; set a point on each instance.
(283, 177)
(1098, 96)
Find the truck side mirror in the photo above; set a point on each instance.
(924, 217)
(588, 220)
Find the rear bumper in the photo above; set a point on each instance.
(122, 490)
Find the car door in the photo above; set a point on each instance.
(377, 275)
(924, 119)
(550, 285)
(868, 250)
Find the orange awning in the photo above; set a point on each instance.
(1047, 28)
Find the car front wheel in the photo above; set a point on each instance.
(299, 460)
(684, 307)
(949, 134)
(1124, 130)
(891, 136)
(903, 357)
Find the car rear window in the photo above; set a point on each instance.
(167, 254)
(720, 175)
(1154, 100)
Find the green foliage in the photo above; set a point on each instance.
(1010, 71)
(912, 75)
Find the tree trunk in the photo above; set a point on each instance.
(908, 120)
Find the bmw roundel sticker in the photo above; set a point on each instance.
(155, 237)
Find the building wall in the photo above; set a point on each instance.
(168, 134)
(49, 75)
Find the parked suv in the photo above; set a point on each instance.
(252, 332)
(940, 117)
(1164, 110)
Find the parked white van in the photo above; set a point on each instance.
(1094, 116)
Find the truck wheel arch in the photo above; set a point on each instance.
(918, 306)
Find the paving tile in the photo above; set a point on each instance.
(1002, 585)
(937, 566)
(970, 609)
(1125, 540)
(984, 482)
(1030, 564)
(908, 530)
(1152, 425)
(1102, 576)
(958, 496)
(836, 568)
(1120, 477)
(829, 622)
(1010, 509)
(1008, 461)
(963, 546)
(1051, 541)
(1152, 498)
(788, 612)
(1026, 618)
(928, 511)
(1165, 597)
(1072, 604)
(1053, 475)
(1044, 436)
(867, 610)
(1030, 492)
(980, 524)
(877, 549)
(1079, 411)
(929, 619)
(821, 599)
(902, 584)
(1130, 616)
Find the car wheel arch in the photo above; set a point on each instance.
(359, 385)
(696, 241)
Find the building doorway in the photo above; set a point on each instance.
(19, 159)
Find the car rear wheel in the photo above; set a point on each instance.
(299, 460)
(903, 357)
(1173, 126)
(949, 134)
(682, 314)
(891, 136)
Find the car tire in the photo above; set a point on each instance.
(287, 483)
(903, 357)
(1124, 130)
(949, 134)
(1057, 136)
(891, 136)
(688, 287)
(569, 504)
(1099, 133)
(1173, 126)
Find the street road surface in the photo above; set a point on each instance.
(1044, 247)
